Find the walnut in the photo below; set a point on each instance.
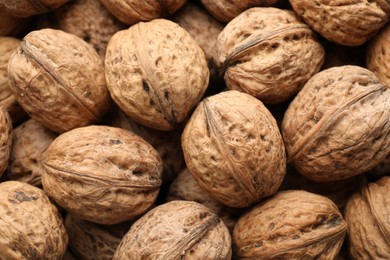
(5, 139)
(156, 73)
(378, 55)
(30, 140)
(233, 148)
(30, 226)
(367, 213)
(176, 230)
(58, 79)
(347, 22)
(338, 125)
(185, 187)
(14, 26)
(226, 10)
(7, 99)
(102, 174)
(134, 11)
(26, 8)
(93, 241)
(268, 53)
(290, 225)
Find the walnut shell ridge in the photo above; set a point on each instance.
(102, 174)
(176, 230)
(290, 225)
(30, 226)
(156, 73)
(233, 148)
(268, 53)
(338, 125)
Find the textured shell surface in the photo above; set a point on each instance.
(6, 134)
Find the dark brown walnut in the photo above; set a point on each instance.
(338, 125)
(30, 226)
(290, 225)
(167, 143)
(5, 139)
(156, 73)
(205, 30)
(367, 214)
(133, 11)
(233, 148)
(226, 10)
(378, 55)
(30, 140)
(58, 79)
(13, 26)
(176, 230)
(185, 187)
(7, 99)
(268, 53)
(26, 8)
(102, 174)
(88, 240)
(347, 22)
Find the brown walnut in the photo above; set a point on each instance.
(268, 53)
(6, 134)
(176, 230)
(102, 174)
(156, 73)
(290, 225)
(233, 148)
(338, 125)
(26, 8)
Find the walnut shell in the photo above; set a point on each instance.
(134, 11)
(58, 79)
(378, 55)
(30, 140)
(338, 125)
(26, 8)
(347, 22)
(92, 241)
(156, 73)
(233, 148)
(290, 225)
(185, 187)
(268, 53)
(30, 226)
(176, 230)
(5, 139)
(14, 26)
(7, 99)
(102, 174)
(226, 10)
(367, 213)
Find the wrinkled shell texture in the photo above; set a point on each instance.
(30, 140)
(92, 241)
(5, 139)
(156, 73)
(30, 226)
(338, 125)
(226, 10)
(58, 79)
(102, 174)
(176, 230)
(378, 56)
(7, 99)
(89, 20)
(290, 225)
(185, 187)
(367, 214)
(268, 53)
(25, 8)
(233, 148)
(347, 22)
(134, 11)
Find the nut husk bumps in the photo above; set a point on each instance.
(290, 225)
(233, 148)
(102, 174)
(338, 125)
